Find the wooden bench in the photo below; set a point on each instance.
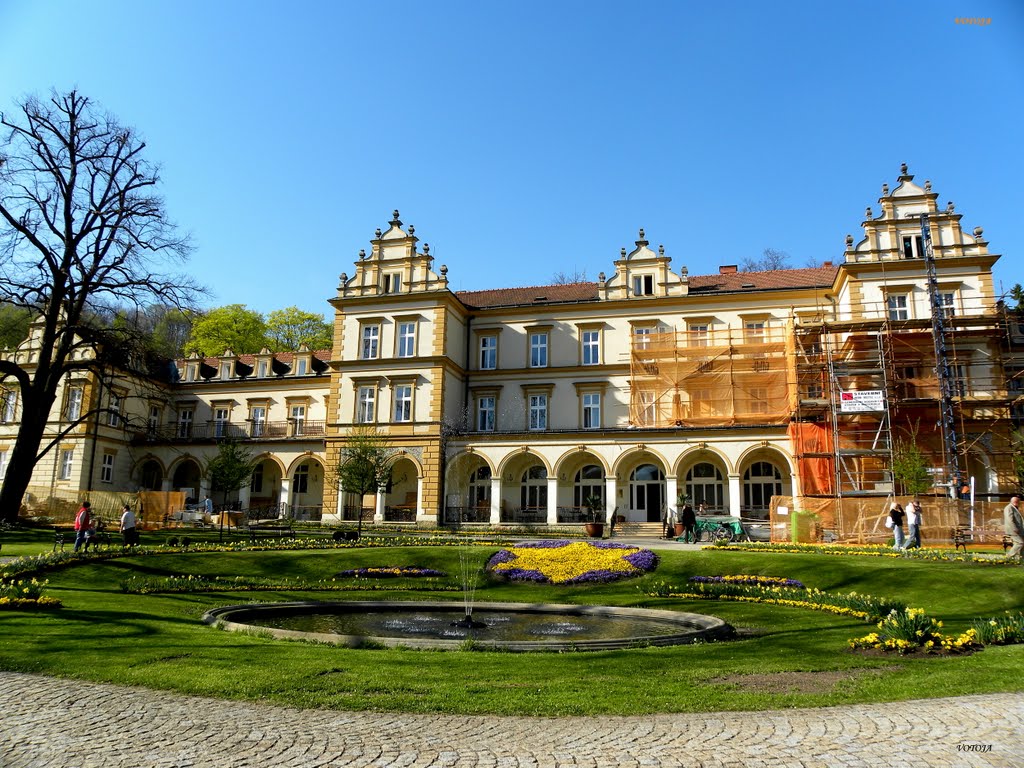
(961, 538)
(62, 536)
(275, 531)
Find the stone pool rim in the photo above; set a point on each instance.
(707, 629)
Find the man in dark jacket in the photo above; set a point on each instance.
(689, 521)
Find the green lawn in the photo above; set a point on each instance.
(158, 641)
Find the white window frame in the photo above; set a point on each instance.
(186, 417)
(648, 408)
(538, 416)
(67, 461)
(391, 282)
(369, 346)
(753, 332)
(8, 406)
(220, 420)
(643, 285)
(403, 403)
(75, 397)
(897, 306)
(153, 423)
(258, 416)
(591, 404)
(406, 339)
(107, 468)
(591, 347)
(301, 367)
(642, 337)
(486, 413)
(3, 464)
(261, 370)
(115, 403)
(489, 352)
(947, 303)
(539, 349)
(297, 413)
(699, 334)
(366, 404)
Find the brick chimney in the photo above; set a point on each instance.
(728, 269)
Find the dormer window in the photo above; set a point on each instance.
(191, 372)
(262, 369)
(643, 285)
(225, 371)
(301, 367)
(392, 283)
(913, 247)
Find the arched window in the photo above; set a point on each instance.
(761, 481)
(589, 484)
(480, 487)
(704, 486)
(534, 490)
(300, 484)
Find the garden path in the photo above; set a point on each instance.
(72, 724)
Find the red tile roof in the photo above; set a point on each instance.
(809, 277)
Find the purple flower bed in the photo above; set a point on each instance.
(641, 561)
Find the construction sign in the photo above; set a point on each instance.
(861, 400)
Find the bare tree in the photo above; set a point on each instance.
(771, 258)
(569, 278)
(81, 226)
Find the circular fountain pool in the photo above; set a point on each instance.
(508, 626)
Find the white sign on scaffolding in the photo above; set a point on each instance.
(861, 400)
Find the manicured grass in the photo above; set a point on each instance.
(159, 642)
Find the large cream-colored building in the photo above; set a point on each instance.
(521, 405)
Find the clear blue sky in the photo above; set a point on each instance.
(531, 137)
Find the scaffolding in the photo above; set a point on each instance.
(710, 378)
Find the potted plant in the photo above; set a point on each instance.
(681, 501)
(594, 525)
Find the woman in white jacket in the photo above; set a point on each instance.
(913, 525)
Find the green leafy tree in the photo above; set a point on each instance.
(14, 322)
(291, 327)
(910, 465)
(230, 469)
(233, 327)
(364, 466)
(82, 225)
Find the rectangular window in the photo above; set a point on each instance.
(371, 342)
(114, 416)
(591, 410)
(74, 412)
(403, 403)
(298, 416)
(485, 414)
(643, 285)
(947, 303)
(301, 367)
(259, 420)
(406, 339)
(753, 332)
(648, 409)
(913, 247)
(262, 369)
(8, 402)
(185, 422)
(641, 338)
(3, 464)
(67, 459)
(191, 372)
(897, 306)
(393, 282)
(153, 423)
(538, 411)
(758, 400)
(220, 419)
(699, 335)
(107, 468)
(225, 371)
(538, 350)
(960, 387)
(488, 353)
(591, 347)
(366, 409)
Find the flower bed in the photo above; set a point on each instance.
(566, 562)
(21, 594)
(147, 585)
(945, 555)
(911, 630)
(389, 572)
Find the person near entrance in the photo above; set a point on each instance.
(689, 521)
(1013, 525)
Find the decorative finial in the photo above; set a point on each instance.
(600, 277)
(885, 190)
(412, 229)
(641, 233)
(377, 232)
(444, 270)
(849, 241)
(867, 212)
(426, 249)
(978, 231)
(903, 169)
(927, 185)
(394, 214)
(343, 278)
(661, 250)
(950, 207)
(362, 254)
(622, 253)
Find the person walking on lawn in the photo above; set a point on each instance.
(1013, 525)
(83, 524)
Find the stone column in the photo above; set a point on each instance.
(286, 487)
(243, 497)
(671, 492)
(553, 500)
(610, 497)
(419, 498)
(735, 496)
(380, 502)
(495, 500)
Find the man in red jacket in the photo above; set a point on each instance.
(83, 524)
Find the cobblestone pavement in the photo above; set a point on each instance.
(50, 723)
